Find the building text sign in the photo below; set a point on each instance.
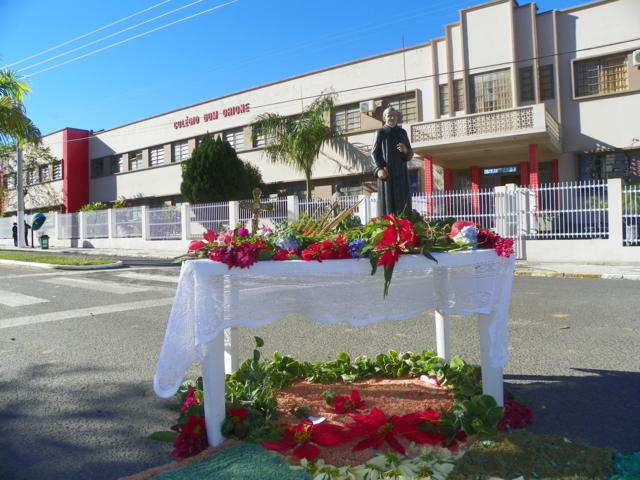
(211, 116)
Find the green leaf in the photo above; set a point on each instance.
(343, 357)
(163, 436)
(259, 342)
(256, 356)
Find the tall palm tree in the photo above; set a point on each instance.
(296, 141)
(14, 123)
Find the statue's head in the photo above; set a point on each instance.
(391, 116)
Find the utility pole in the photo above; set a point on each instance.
(20, 195)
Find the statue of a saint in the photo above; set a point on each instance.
(391, 151)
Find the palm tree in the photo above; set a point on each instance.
(296, 141)
(14, 124)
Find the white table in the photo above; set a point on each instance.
(212, 300)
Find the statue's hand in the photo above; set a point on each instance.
(383, 173)
(402, 148)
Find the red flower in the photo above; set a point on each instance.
(196, 245)
(377, 429)
(421, 427)
(189, 399)
(343, 404)
(516, 415)
(486, 239)
(210, 236)
(458, 226)
(238, 414)
(191, 439)
(283, 254)
(302, 438)
(389, 257)
(504, 247)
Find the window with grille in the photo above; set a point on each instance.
(97, 168)
(527, 92)
(180, 151)
(546, 82)
(156, 156)
(43, 172)
(260, 139)
(443, 95)
(116, 164)
(235, 138)
(491, 91)
(9, 181)
(31, 177)
(57, 171)
(135, 160)
(346, 118)
(406, 104)
(601, 75)
(458, 95)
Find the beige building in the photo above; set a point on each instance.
(507, 95)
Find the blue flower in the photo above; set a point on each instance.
(355, 246)
(287, 243)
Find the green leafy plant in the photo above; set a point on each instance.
(90, 207)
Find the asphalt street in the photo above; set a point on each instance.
(78, 351)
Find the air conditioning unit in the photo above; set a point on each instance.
(636, 58)
(370, 106)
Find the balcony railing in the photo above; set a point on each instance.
(530, 119)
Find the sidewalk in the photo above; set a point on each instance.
(523, 267)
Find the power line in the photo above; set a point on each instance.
(93, 52)
(373, 85)
(86, 34)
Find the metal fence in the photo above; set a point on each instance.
(278, 211)
(206, 216)
(165, 223)
(570, 210)
(631, 215)
(316, 207)
(6, 226)
(68, 226)
(96, 224)
(127, 222)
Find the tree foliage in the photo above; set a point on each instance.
(214, 173)
(296, 141)
(14, 123)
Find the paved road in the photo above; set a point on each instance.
(78, 349)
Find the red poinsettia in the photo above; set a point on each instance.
(516, 415)
(376, 429)
(238, 414)
(343, 404)
(397, 238)
(327, 250)
(196, 245)
(191, 439)
(189, 399)
(305, 437)
(421, 427)
(284, 254)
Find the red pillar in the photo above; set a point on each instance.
(524, 174)
(428, 183)
(533, 173)
(475, 189)
(448, 180)
(75, 169)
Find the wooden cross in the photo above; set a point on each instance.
(256, 207)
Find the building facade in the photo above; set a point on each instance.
(507, 95)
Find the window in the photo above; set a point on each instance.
(116, 164)
(31, 177)
(235, 138)
(156, 156)
(601, 166)
(346, 118)
(546, 82)
(443, 95)
(406, 104)
(10, 181)
(43, 172)
(97, 168)
(57, 170)
(527, 93)
(180, 151)
(490, 91)
(601, 75)
(135, 160)
(458, 95)
(260, 139)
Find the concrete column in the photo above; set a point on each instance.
(146, 231)
(293, 208)
(185, 221)
(234, 214)
(82, 225)
(56, 225)
(364, 209)
(110, 223)
(614, 187)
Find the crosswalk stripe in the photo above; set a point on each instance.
(83, 312)
(97, 285)
(148, 276)
(13, 299)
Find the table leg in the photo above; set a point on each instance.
(231, 356)
(492, 382)
(442, 336)
(213, 384)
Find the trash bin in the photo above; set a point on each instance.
(44, 242)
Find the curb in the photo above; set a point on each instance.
(51, 266)
(604, 276)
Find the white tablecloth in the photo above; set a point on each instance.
(210, 298)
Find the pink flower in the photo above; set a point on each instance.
(209, 236)
(189, 399)
(243, 232)
(196, 245)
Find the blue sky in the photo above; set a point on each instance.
(238, 46)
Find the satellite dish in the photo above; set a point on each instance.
(37, 221)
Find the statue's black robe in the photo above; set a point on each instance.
(394, 195)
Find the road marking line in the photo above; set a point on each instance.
(13, 299)
(148, 276)
(83, 312)
(97, 285)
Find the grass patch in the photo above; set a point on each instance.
(53, 259)
(534, 457)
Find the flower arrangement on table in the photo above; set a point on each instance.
(331, 237)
